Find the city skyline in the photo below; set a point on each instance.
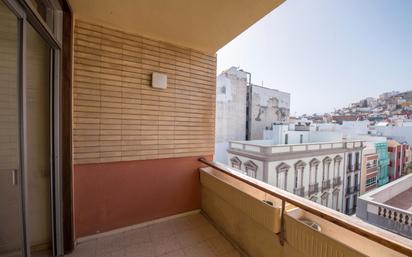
(352, 51)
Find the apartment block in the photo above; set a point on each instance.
(244, 110)
(383, 162)
(327, 173)
(369, 170)
(398, 158)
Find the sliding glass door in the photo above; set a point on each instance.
(38, 152)
(29, 130)
(10, 168)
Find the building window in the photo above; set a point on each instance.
(325, 199)
(356, 180)
(301, 138)
(357, 162)
(350, 161)
(347, 201)
(326, 168)
(286, 139)
(251, 169)
(335, 197)
(299, 171)
(313, 170)
(355, 198)
(371, 181)
(282, 175)
(336, 166)
(222, 90)
(236, 163)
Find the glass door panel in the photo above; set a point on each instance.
(10, 195)
(38, 144)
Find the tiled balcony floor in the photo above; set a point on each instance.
(189, 236)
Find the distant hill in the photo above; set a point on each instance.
(407, 95)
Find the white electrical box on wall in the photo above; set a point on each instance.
(159, 80)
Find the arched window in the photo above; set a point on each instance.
(236, 163)
(326, 168)
(299, 169)
(282, 175)
(313, 171)
(336, 166)
(251, 169)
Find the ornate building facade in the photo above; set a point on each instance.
(326, 173)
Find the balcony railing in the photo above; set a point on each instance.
(325, 184)
(350, 168)
(351, 190)
(351, 211)
(337, 181)
(371, 166)
(300, 191)
(313, 188)
(385, 240)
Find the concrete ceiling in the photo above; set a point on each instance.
(204, 25)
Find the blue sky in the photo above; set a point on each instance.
(327, 53)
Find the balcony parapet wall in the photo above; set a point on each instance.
(235, 205)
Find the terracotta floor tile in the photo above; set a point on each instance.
(199, 250)
(189, 236)
(166, 245)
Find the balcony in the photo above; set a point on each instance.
(189, 236)
(350, 168)
(351, 211)
(337, 181)
(313, 189)
(326, 185)
(300, 191)
(241, 198)
(350, 190)
(236, 220)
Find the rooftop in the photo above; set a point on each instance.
(402, 200)
(265, 149)
(389, 206)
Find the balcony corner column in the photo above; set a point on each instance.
(282, 225)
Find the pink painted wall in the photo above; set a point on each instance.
(113, 195)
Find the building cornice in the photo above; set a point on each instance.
(290, 155)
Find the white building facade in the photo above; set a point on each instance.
(243, 110)
(327, 173)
